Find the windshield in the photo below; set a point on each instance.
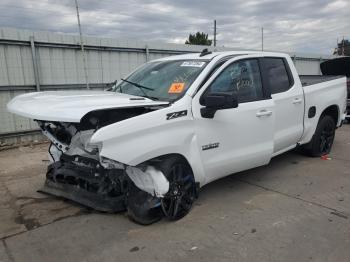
(162, 80)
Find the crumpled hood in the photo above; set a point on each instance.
(71, 106)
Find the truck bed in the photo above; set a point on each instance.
(307, 80)
(321, 92)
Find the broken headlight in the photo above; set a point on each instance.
(110, 163)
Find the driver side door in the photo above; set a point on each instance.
(235, 139)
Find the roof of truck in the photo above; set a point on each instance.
(209, 56)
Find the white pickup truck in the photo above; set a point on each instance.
(175, 124)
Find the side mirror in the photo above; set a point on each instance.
(218, 101)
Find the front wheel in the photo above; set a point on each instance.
(142, 207)
(182, 190)
(322, 141)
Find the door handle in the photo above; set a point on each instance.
(297, 101)
(264, 112)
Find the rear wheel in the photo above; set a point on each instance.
(322, 141)
(182, 190)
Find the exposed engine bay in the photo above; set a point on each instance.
(78, 172)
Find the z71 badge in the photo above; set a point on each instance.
(210, 146)
(176, 114)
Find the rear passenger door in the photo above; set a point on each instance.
(289, 102)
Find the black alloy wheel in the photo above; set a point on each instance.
(322, 141)
(327, 138)
(178, 201)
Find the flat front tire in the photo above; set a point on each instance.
(142, 208)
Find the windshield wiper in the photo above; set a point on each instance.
(141, 87)
(137, 85)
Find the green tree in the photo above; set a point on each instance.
(343, 48)
(198, 39)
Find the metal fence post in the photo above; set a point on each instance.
(147, 53)
(35, 64)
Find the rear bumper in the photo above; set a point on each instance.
(90, 185)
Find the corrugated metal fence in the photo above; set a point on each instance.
(33, 61)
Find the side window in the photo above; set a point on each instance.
(242, 77)
(276, 75)
(216, 67)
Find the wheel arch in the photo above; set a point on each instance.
(310, 124)
(161, 157)
(332, 111)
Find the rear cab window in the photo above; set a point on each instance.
(277, 75)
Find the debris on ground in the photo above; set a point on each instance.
(134, 249)
(325, 157)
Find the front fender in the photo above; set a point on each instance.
(151, 135)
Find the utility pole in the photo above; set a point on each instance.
(343, 47)
(262, 39)
(82, 46)
(337, 49)
(214, 32)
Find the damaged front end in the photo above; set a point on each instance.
(78, 172)
(85, 181)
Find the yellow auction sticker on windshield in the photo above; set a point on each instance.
(176, 88)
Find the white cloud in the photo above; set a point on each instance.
(301, 25)
(335, 6)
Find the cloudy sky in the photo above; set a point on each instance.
(289, 25)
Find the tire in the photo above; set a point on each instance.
(142, 208)
(178, 202)
(322, 140)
